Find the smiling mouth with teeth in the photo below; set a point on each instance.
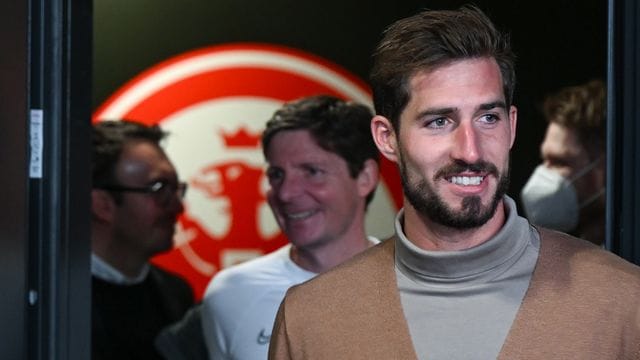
(300, 215)
(466, 180)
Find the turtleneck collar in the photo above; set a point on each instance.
(478, 264)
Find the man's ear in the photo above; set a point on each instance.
(368, 177)
(102, 205)
(385, 137)
(513, 121)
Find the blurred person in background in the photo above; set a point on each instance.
(323, 172)
(567, 191)
(136, 199)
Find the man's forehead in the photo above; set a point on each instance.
(318, 156)
(133, 146)
(475, 83)
(304, 154)
(142, 150)
(142, 158)
(454, 65)
(294, 143)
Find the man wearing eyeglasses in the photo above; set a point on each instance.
(135, 203)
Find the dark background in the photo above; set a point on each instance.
(557, 43)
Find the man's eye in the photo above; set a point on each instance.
(437, 123)
(314, 171)
(274, 175)
(490, 118)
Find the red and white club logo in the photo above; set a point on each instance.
(214, 102)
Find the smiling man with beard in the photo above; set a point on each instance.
(464, 277)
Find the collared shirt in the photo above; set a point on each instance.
(102, 270)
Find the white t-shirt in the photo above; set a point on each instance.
(241, 302)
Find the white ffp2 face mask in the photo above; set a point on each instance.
(550, 200)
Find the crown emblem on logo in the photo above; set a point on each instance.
(241, 138)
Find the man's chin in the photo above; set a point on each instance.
(468, 213)
(307, 242)
(474, 213)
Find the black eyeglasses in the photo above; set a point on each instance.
(161, 190)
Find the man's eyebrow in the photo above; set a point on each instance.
(450, 110)
(493, 105)
(437, 111)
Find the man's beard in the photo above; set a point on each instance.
(473, 214)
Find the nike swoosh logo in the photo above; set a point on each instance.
(263, 339)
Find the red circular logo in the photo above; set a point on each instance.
(214, 102)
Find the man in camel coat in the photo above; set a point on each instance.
(464, 277)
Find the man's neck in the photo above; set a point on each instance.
(123, 260)
(321, 258)
(432, 236)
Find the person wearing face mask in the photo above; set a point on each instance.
(566, 192)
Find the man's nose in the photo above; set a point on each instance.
(290, 187)
(466, 145)
(175, 201)
(180, 205)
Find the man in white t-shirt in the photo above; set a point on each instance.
(323, 171)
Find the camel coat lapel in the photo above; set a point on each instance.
(366, 319)
(577, 305)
